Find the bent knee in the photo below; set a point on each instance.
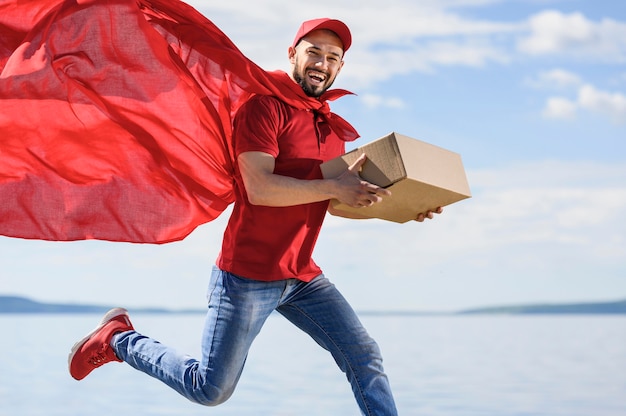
(211, 397)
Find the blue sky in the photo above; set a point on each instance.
(531, 93)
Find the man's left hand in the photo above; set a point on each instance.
(428, 214)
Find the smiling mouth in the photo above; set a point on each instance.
(317, 77)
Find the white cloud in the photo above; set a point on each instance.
(555, 78)
(377, 101)
(421, 57)
(550, 202)
(611, 104)
(554, 32)
(589, 98)
(403, 21)
(560, 108)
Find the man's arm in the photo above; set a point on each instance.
(264, 187)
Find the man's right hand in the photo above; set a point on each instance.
(352, 190)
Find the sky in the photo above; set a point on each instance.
(530, 93)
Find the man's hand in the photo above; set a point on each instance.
(354, 191)
(428, 214)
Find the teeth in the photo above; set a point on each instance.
(317, 75)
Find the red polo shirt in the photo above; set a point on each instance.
(275, 243)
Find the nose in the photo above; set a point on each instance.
(322, 63)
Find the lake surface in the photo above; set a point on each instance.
(438, 365)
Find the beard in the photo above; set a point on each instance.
(310, 90)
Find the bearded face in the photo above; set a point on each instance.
(316, 61)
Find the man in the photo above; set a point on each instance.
(265, 263)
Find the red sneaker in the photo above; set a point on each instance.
(95, 349)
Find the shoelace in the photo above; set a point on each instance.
(98, 358)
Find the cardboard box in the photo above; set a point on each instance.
(420, 176)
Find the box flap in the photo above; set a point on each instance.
(384, 165)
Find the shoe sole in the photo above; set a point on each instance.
(113, 313)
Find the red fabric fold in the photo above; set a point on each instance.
(115, 118)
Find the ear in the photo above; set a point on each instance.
(291, 53)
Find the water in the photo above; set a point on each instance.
(438, 365)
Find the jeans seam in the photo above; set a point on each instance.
(218, 308)
(348, 363)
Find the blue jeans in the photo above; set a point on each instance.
(238, 307)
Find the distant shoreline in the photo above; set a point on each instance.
(23, 305)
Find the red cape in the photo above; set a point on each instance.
(116, 115)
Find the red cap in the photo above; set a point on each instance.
(336, 26)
